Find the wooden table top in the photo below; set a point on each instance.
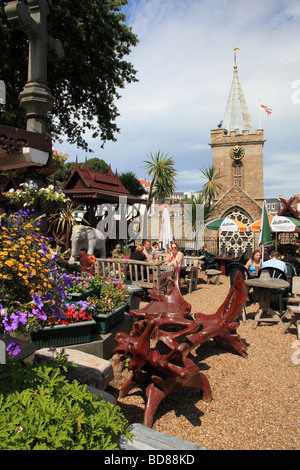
(271, 283)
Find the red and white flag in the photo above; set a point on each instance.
(268, 110)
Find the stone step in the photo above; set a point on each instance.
(91, 370)
(148, 439)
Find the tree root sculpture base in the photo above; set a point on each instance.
(164, 334)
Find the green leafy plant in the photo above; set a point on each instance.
(41, 410)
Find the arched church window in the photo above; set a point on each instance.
(237, 173)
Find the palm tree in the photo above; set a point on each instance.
(212, 187)
(161, 169)
(199, 199)
(62, 223)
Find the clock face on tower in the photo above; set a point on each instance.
(237, 152)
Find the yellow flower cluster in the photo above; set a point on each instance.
(24, 262)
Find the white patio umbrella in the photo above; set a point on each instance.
(226, 225)
(166, 233)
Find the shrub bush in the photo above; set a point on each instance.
(41, 410)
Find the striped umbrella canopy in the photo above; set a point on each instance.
(226, 225)
(278, 223)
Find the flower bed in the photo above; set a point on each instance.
(31, 280)
(34, 289)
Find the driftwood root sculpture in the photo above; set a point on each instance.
(164, 334)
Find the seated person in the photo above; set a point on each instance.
(254, 263)
(155, 246)
(149, 252)
(117, 252)
(138, 255)
(175, 257)
(275, 262)
(203, 252)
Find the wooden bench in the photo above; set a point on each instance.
(213, 276)
(193, 264)
(294, 310)
(137, 273)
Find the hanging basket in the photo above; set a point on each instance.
(22, 171)
(50, 207)
(49, 170)
(29, 205)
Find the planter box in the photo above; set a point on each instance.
(63, 335)
(75, 297)
(104, 323)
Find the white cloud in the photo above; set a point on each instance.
(184, 61)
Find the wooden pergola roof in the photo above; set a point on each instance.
(85, 185)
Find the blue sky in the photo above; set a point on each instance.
(185, 67)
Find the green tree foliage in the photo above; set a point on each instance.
(212, 186)
(87, 81)
(131, 183)
(161, 169)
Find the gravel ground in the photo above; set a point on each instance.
(255, 401)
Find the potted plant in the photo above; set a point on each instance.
(74, 328)
(109, 308)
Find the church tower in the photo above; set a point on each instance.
(237, 151)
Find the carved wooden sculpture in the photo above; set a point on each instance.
(163, 336)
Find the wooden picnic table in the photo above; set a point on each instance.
(264, 287)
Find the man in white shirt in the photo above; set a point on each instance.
(275, 262)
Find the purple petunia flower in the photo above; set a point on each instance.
(67, 281)
(44, 248)
(39, 313)
(48, 296)
(13, 348)
(22, 317)
(59, 313)
(37, 300)
(61, 292)
(83, 304)
(11, 323)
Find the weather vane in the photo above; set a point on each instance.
(235, 49)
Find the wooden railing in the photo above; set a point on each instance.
(139, 273)
(143, 273)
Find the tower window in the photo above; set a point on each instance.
(237, 173)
